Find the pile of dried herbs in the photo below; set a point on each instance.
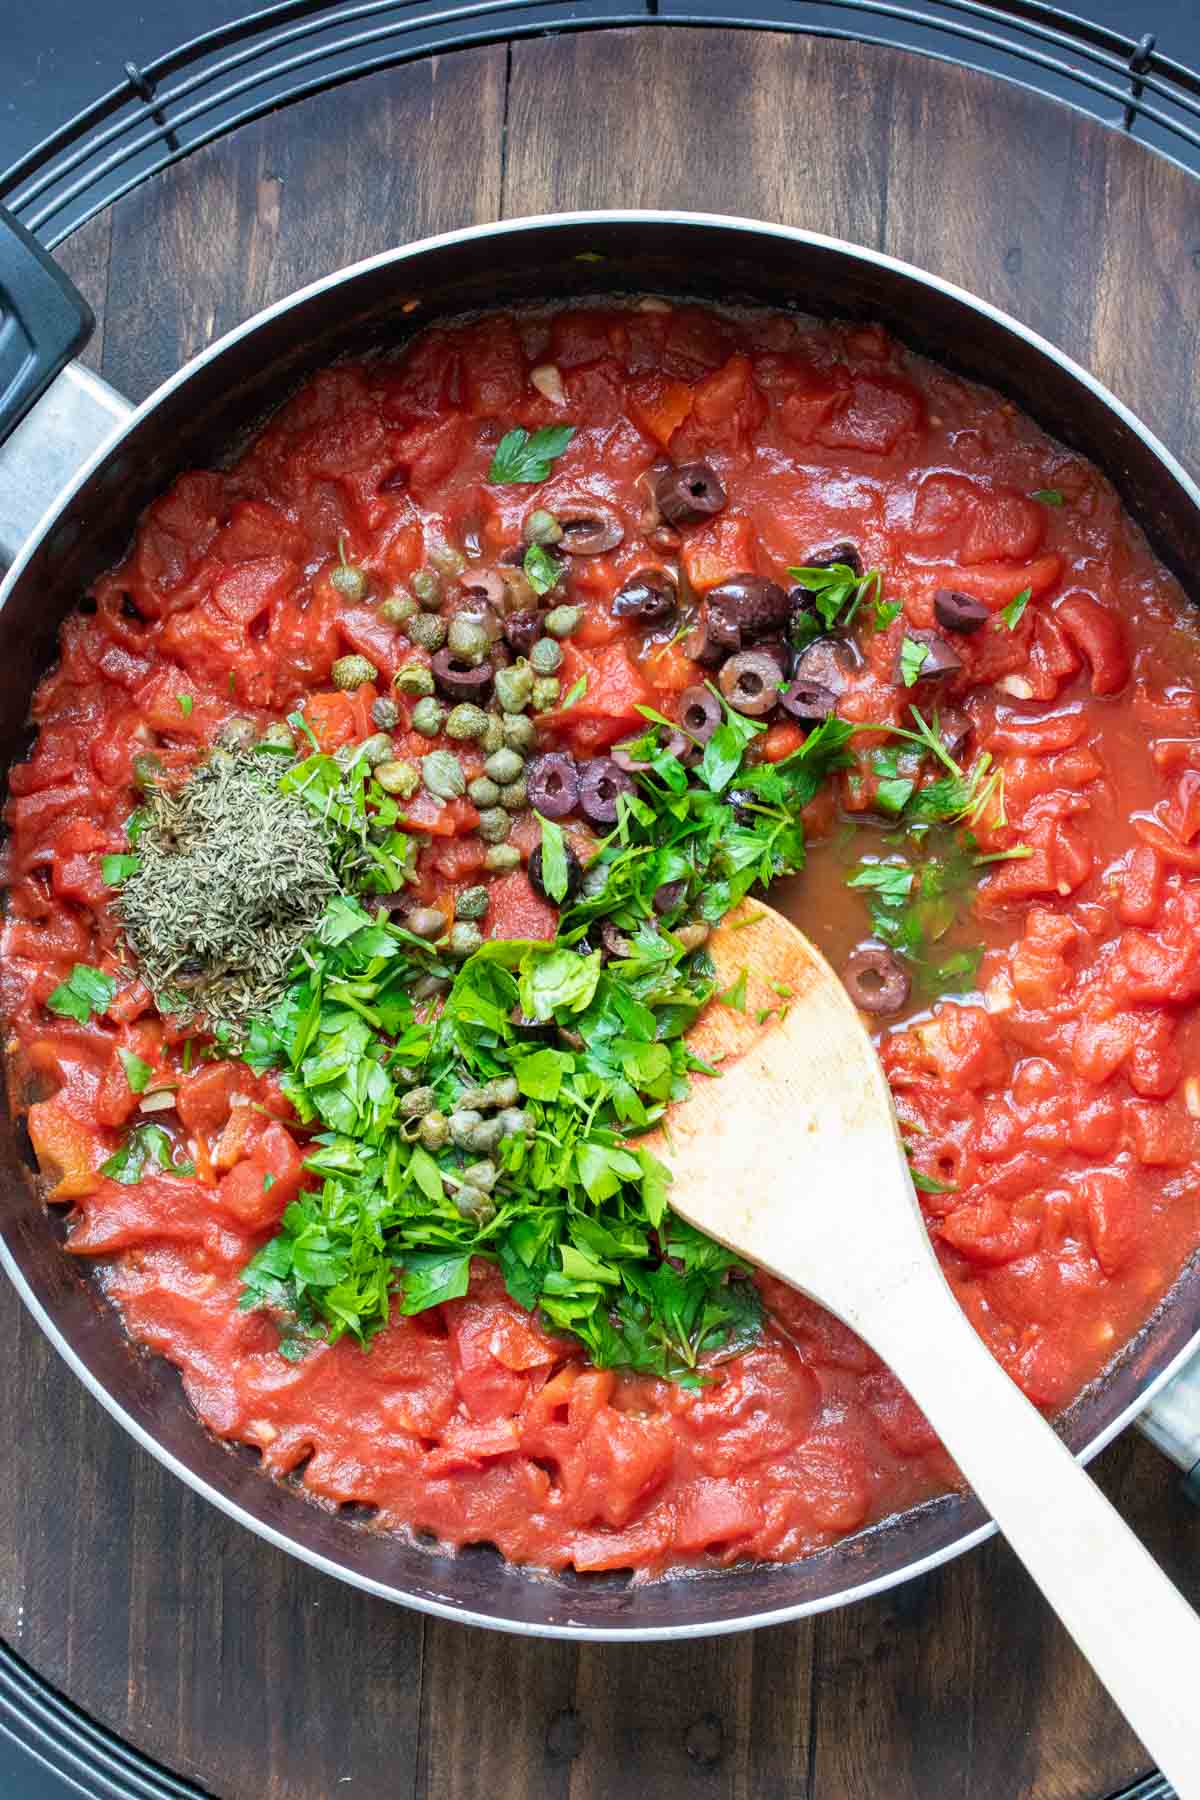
(229, 876)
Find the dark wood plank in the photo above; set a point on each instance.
(85, 257)
(236, 1665)
(303, 192)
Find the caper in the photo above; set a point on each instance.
(348, 579)
(417, 1103)
(414, 679)
(397, 609)
(430, 987)
(512, 1120)
(346, 755)
(465, 939)
(435, 1131)
(428, 630)
(425, 922)
(428, 716)
(351, 672)
(467, 640)
(472, 903)
(483, 792)
(541, 527)
(503, 1091)
(278, 736)
(494, 825)
(493, 736)
(502, 859)
(466, 721)
(546, 690)
(513, 687)
(237, 734)
(428, 589)
(473, 1099)
(504, 766)
(398, 776)
(546, 656)
(443, 775)
(519, 732)
(692, 936)
(481, 1175)
(514, 797)
(385, 713)
(563, 621)
(377, 749)
(484, 1137)
(147, 770)
(447, 561)
(473, 1203)
(462, 1122)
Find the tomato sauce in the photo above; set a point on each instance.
(1058, 1103)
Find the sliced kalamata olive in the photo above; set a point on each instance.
(613, 942)
(485, 588)
(699, 713)
(844, 553)
(649, 597)
(705, 643)
(683, 749)
(807, 701)
(574, 876)
(601, 784)
(828, 661)
(875, 980)
(750, 682)
(954, 728)
(781, 652)
(941, 658)
(751, 603)
(522, 631)
(589, 527)
(669, 897)
(959, 612)
(692, 492)
(460, 680)
(552, 784)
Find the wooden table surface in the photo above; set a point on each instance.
(251, 1674)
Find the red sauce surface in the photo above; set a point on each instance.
(1060, 1100)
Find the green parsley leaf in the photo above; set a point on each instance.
(1011, 614)
(574, 694)
(145, 1145)
(891, 881)
(555, 872)
(116, 868)
(555, 980)
(522, 458)
(431, 1276)
(542, 571)
(1048, 496)
(886, 611)
(929, 1184)
(137, 1072)
(85, 991)
(913, 657)
(838, 593)
(186, 704)
(735, 994)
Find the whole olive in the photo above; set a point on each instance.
(692, 492)
(649, 597)
(750, 604)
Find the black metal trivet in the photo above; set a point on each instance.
(161, 110)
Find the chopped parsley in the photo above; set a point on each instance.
(1048, 496)
(116, 868)
(886, 611)
(542, 571)
(86, 991)
(186, 704)
(913, 657)
(137, 1072)
(521, 457)
(838, 593)
(1011, 614)
(555, 873)
(574, 693)
(146, 1148)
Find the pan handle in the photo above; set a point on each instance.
(1172, 1423)
(48, 426)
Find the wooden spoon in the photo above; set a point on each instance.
(793, 1157)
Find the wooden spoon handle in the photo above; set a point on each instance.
(1134, 1627)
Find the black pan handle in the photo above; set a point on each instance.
(44, 322)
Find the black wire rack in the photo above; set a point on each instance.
(160, 111)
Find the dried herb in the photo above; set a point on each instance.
(232, 876)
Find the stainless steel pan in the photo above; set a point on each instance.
(114, 459)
